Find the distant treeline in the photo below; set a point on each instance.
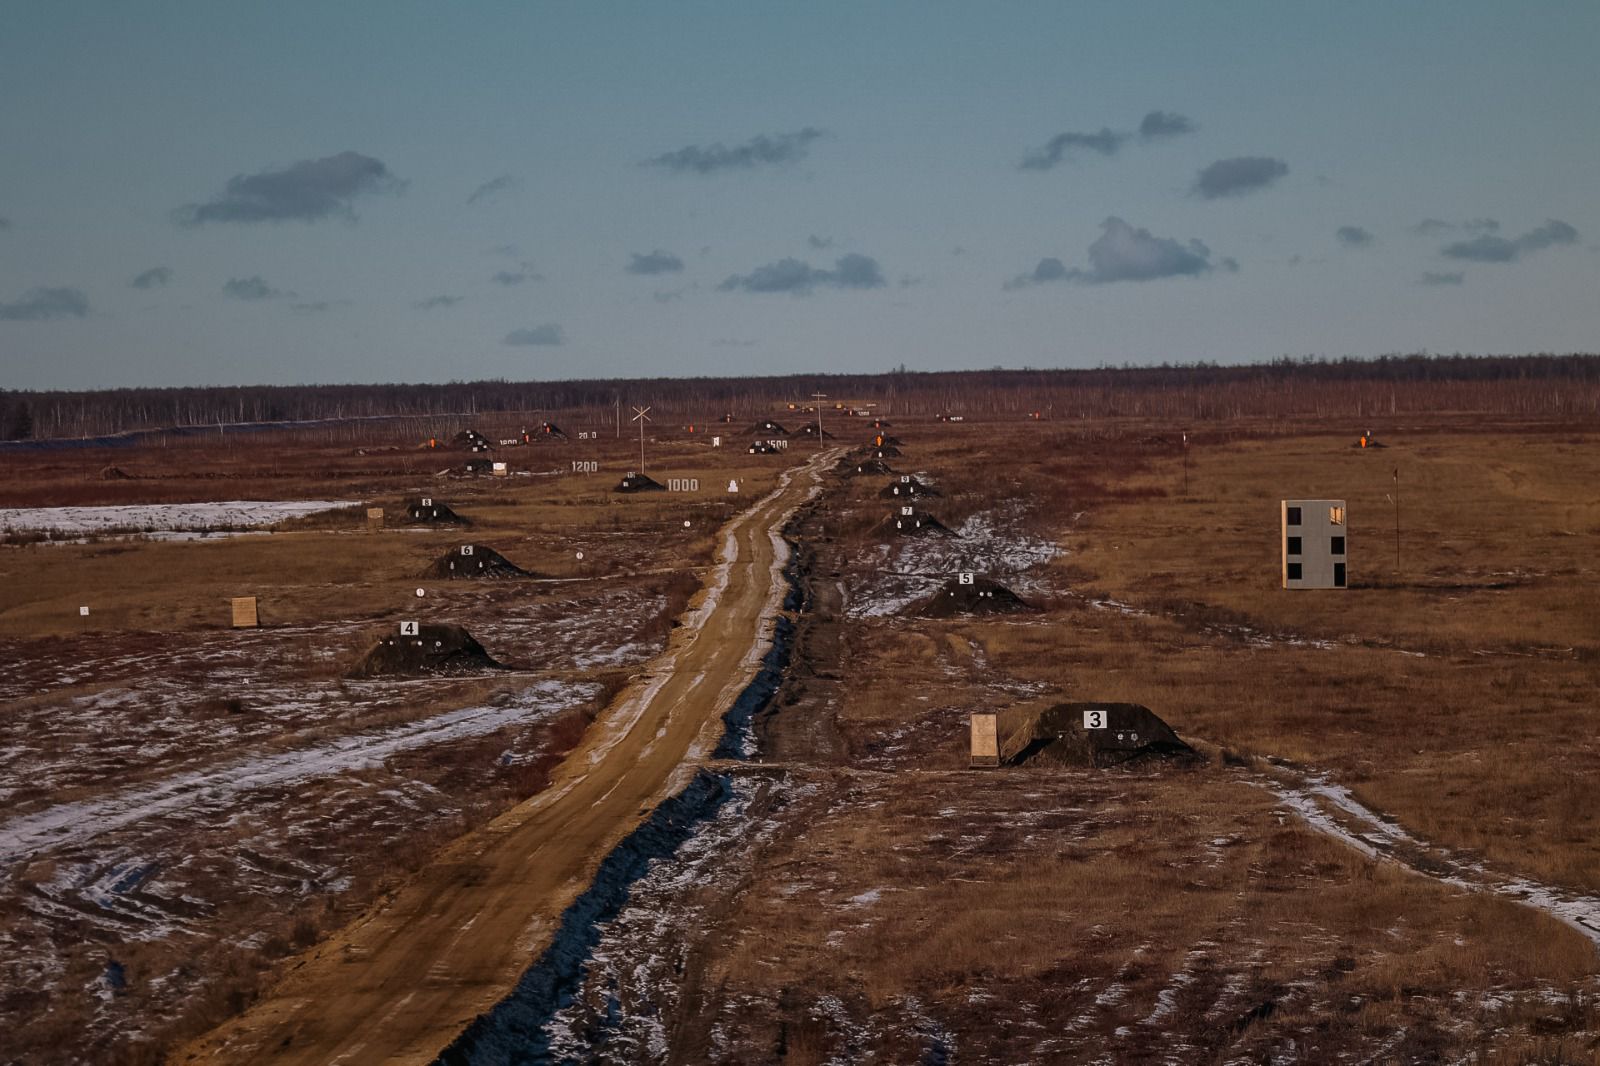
(1555, 385)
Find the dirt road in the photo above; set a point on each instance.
(398, 984)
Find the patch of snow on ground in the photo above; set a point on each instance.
(1310, 796)
(160, 517)
(70, 824)
(992, 543)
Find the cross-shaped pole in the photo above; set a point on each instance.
(641, 416)
(819, 397)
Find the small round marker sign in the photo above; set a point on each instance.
(421, 593)
(685, 523)
(580, 556)
(83, 612)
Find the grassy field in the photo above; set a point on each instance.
(1452, 695)
(199, 907)
(1026, 913)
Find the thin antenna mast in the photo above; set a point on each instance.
(641, 417)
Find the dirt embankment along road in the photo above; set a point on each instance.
(400, 982)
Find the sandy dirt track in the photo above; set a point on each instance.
(400, 982)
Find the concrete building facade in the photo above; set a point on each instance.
(1315, 545)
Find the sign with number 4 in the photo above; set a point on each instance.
(408, 629)
(1094, 719)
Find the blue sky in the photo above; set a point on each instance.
(391, 191)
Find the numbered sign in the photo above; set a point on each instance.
(907, 510)
(427, 501)
(466, 549)
(965, 578)
(1094, 719)
(580, 557)
(408, 629)
(905, 479)
(421, 593)
(683, 484)
(716, 442)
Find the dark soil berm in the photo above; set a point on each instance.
(1132, 733)
(640, 483)
(907, 486)
(915, 524)
(434, 514)
(469, 561)
(435, 649)
(983, 596)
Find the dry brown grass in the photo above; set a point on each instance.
(1480, 739)
(1009, 892)
(1456, 694)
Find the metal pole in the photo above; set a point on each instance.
(1397, 519)
(1186, 466)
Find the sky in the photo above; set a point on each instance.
(229, 193)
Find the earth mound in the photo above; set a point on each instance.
(884, 451)
(478, 466)
(970, 594)
(915, 524)
(1100, 734)
(767, 428)
(907, 486)
(469, 561)
(866, 466)
(639, 483)
(811, 429)
(431, 649)
(546, 431)
(115, 473)
(762, 447)
(430, 512)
